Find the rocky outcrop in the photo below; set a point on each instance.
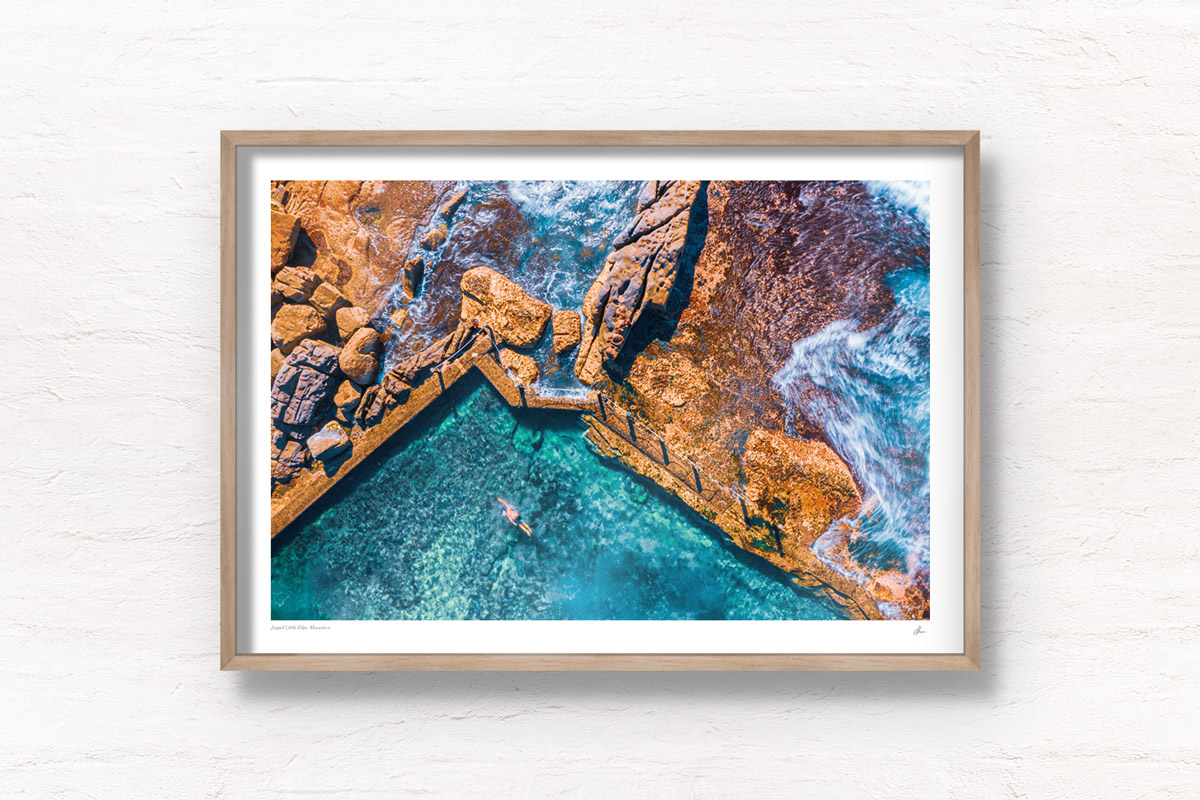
(358, 359)
(380, 398)
(328, 443)
(284, 230)
(492, 300)
(638, 275)
(567, 331)
(799, 486)
(293, 324)
(409, 369)
(357, 234)
(523, 368)
(349, 320)
(300, 394)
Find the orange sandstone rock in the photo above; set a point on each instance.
(350, 320)
(358, 358)
(523, 367)
(284, 230)
(567, 330)
(294, 324)
(495, 301)
(800, 486)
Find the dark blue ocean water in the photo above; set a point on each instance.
(868, 388)
(416, 533)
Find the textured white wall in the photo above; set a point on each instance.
(108, 219)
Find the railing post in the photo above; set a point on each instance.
(521, 389)
(666, 459)
(745, 513)
(441, 380)
(699, 486)
(492, 336)
(632, 432)
(600, 397)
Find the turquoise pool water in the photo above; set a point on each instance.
(416, 533)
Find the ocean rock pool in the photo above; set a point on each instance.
(416, 532)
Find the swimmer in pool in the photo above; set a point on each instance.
(514, 517)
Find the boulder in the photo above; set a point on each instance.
(301, 391)
(276, 362)
(358, 358)
(349, 320)
(523, 368)
(496, 302)
(329, 442)
(435, 238)
(380, 398)
(327, 300)
(346, 400)
(284, 230)
(396, 388)
(295, 284)
(414, 271)
(638, 275)
(287, 462)
(567, 330)
(294, 324)
(451, 205)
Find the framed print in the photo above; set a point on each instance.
(600, 400)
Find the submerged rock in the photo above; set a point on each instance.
(358, 358)
(567, 330)
(285, 228)
(638, 275)
(496, 302)
(294, 324)
(524, 369)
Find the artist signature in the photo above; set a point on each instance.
(919, 631)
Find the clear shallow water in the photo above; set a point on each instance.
(868, 388)
(416, 533)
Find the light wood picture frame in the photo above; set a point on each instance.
(237, 522)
